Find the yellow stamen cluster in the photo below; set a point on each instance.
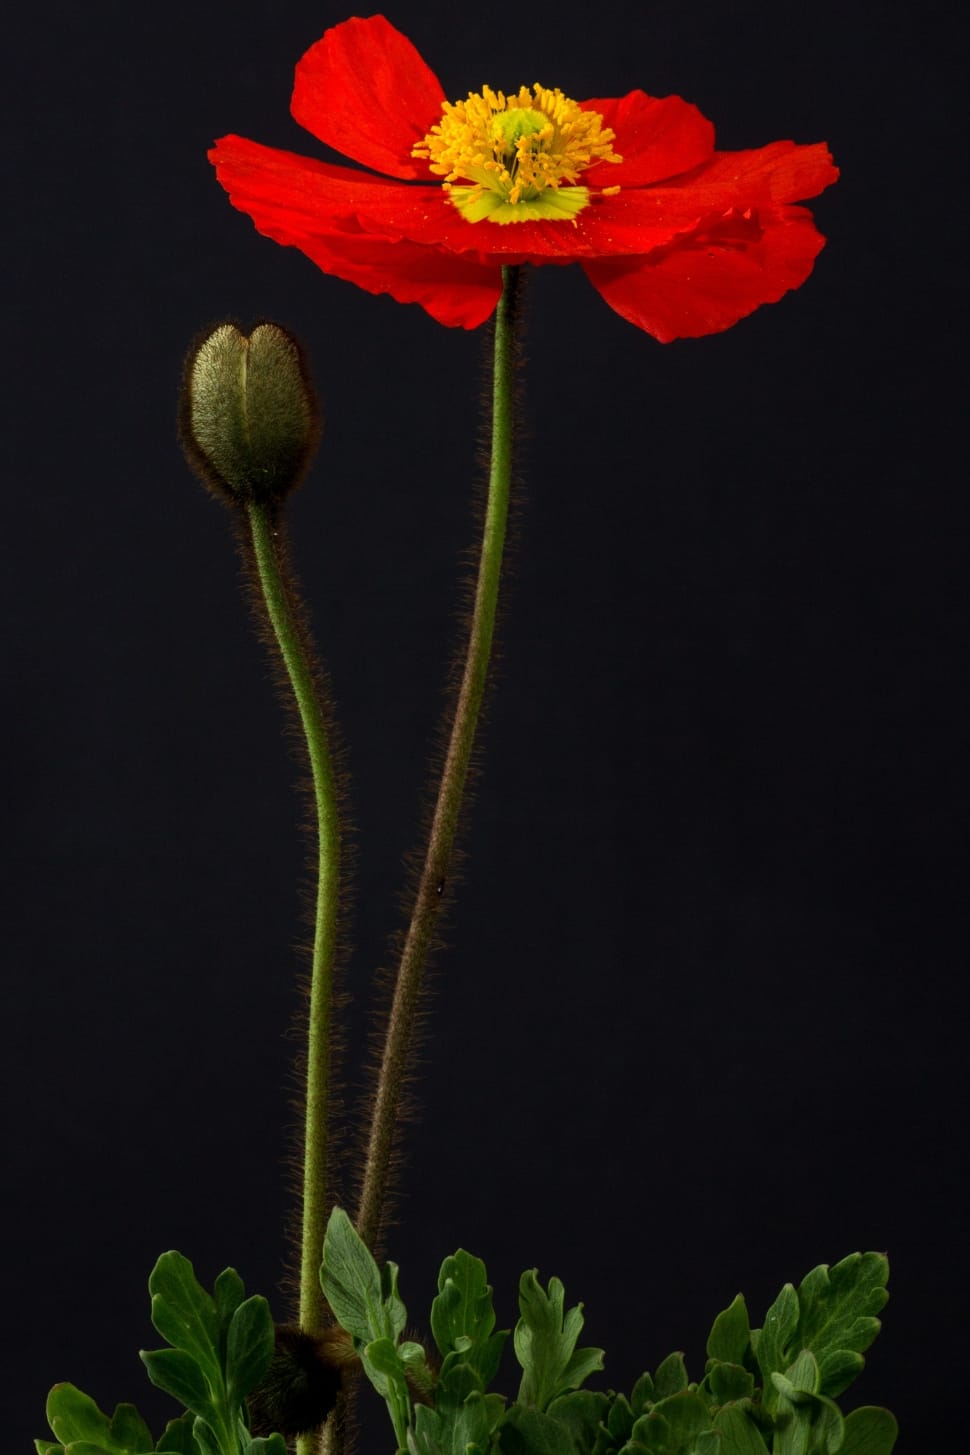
(512, 154)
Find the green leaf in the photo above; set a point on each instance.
(386, 1373)
(774, 1346)
(394, 1311)
(185, 1315)
(671, 1377)
(205, 1437)
(261, 1444)
(619, 1420)
(806, 1423)
(228, 1293)
(739, 1434)
(48, 1447)
(838, 1369)
(838, 1308)
(178, 1374)
(869, 1431)
(675, 1425)
(380, 1359)
(793, 1428)
(729, 1382)
(463, 1316)
(527, 1431)
(545, 1343)
(87, 1447)
(828, 1426)
(457, 1380)
(463, 1429)
(801, 1376)
(351, 1282)
(249, 1346)
(581, 1413)
(463, 1307)
(128, 1431)
(76, 1420)
(73, 1415)
(642, 1394)
(177, 1436)
(730, 1333)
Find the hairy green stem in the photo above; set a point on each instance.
(284, 614)
(434, 873)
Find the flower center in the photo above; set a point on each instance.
(510, 156)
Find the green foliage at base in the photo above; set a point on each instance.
(219, 1348)
(767, 1391)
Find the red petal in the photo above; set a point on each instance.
(779, 172)
(631, 222)
(458, 292)
(705, 284)
(364, 90)
(315, 207)
(284, 192)
(635, 220)
(657, 137)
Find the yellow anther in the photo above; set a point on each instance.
(512, 155)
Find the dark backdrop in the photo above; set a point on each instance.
(700, 1023)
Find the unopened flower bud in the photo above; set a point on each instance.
(301, 1385)
(248, 413)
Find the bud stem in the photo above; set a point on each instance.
(444, 825)
(284, 613)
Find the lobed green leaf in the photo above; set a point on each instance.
(184, 1314)
(73, 1415)
(463, 1315)
(838, 1308)
(545, 1343)
(76, 1419)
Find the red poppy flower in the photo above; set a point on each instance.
(678, 238)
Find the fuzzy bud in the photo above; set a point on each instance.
(301, 1386)
(249, 420)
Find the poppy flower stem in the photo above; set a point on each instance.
(285, 614)
(438, 854)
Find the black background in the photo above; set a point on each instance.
(700, 1025)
